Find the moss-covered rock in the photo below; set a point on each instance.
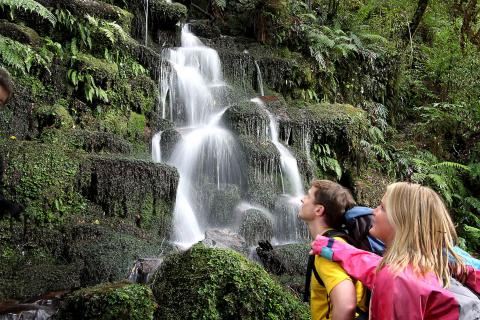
(143, 193)
(247, 119)
(109, 301)
(107, 252)
(54, 116)
(169, 139)
(100, 142)
(19, 33)
(93, 8)
(256, 225)
(220, 284)
(165, 15)
(42, 177)
(100, 69)
(29, 273)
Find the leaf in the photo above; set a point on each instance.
(32, 6)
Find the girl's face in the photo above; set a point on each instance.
(381, 228)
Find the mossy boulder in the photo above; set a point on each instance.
(247, 119)
(220, 284)
(100, 142)
(107, 249)
(20, 33)
(54, 116)
(165, 15)
(109, 301)
(263, 162)
(224, 201)
(143, 193)
(256, 225)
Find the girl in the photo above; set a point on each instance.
(409, 281)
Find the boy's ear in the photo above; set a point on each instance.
(319, 210)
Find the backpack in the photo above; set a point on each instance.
(468, 300)
(355, 231)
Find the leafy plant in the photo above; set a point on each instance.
(32, 6)
(325, 159)
(22, 57)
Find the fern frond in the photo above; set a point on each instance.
(21, 57)
(108, 33)
(32, 6)
(118, 29)
(92, 20)
(451, 165)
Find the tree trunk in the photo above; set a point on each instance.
(417, 17)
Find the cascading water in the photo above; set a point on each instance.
(145, 7)
(259, 79)
(288, 161)
(156, 150)
(191, 92)
(207, 157)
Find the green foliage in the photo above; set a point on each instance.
(375, 147)
(326, 160)
(30, 5)
(43, 180)
(220, 284)
(22, 57)
(109, 301)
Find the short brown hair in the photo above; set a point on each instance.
(335, 198)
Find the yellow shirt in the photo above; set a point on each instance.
(331, 274)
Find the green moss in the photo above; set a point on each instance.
(143, 194)
(20, 33)
(106, 254)
(100, 69)
(56, 115)
(42, 177)
(136, 126)
(109, 301)
(165, 15)
(472, 237)
(256, 226)
(220, 284)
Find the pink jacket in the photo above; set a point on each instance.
(404, 296)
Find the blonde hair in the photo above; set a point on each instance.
(424, 232)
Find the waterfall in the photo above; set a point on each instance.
(192, 82)
(208, 158)
(287, 160)
(145, 6)
(156, 148)
(259, 79)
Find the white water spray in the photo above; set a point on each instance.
(156, 147)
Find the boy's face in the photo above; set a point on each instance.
(309, 209)
(4, 94)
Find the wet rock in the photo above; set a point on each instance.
(165, 15)
(225, 239)
(144, 192)
(224, 200)
(20, 33)
(144, 269)
(255, 226)
(247, 119)
(288, 227)
(170, 138)
(284, 259)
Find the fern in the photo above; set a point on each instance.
(32, 6)
(22, 57)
